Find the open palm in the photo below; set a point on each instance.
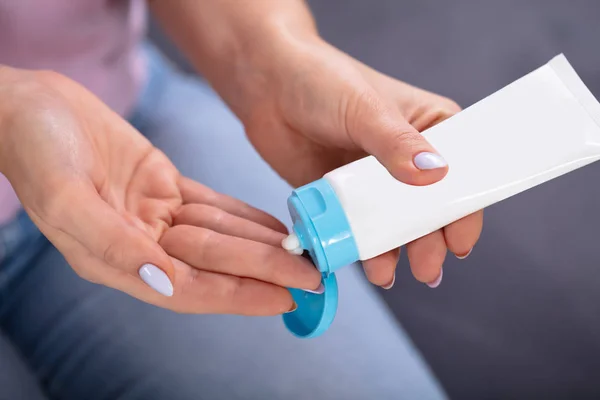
(118, 209)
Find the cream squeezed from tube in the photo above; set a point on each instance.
(537, 128)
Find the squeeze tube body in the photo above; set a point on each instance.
(539, 127)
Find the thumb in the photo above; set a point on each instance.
(383, 132)
(115, 239)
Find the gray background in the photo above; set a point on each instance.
(520, 318)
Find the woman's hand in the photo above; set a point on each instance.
(309, 108)
(106, 198)
(317, 109)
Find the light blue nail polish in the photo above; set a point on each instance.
(319, 290)
(391, 284)
(157, 279)
(428, 160)
(437, 281)
(464, 256)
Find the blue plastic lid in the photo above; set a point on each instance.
(324, 232)
(315, 312)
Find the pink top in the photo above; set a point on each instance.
(94, 42)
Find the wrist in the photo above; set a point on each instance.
(7, 78)
(19, 92)
(230, 42)
(262, 65)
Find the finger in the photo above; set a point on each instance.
(381, 270)
(435, 109)
(383, 132)
(212, 251)
(112, 238)
(193, 192)
(203, 292)
(220, 221)
(426, 256)
(225, 294)
(462, 235)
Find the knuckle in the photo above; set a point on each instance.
(435, 110)
(210, 196)
(205, 215)
(451, 106)
(230, 289)
(53, 204)
(113, 254)
(224, 296)
(403, 140)
(444, 109)
(269, 266)
(371, 106)
(192, 285)
(205, 242)
(361, 105)
(214, 216)
(178, 241)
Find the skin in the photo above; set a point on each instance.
(308, 107)
(110, 202)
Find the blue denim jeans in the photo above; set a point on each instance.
(64, 338)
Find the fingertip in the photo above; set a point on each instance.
(427, 160)
(157, 255)
(257, 298)
(293, 308)
(158, 271)
(462, 235)
(202, 291)
(463, 256)
(437, 281)
(156, 278)
(409, 173)
(426, 256)
(390, 284)
(310, 278)
(380, 270)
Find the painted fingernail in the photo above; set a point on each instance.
(391, 284)
(462, 257)
(428, 160)
(294, 308)
(319, 290)
(156, 279)
(438, 280)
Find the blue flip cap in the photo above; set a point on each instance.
(323, 230)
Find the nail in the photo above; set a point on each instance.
(391, 284)
(156, 279)
(319, 290)
(465, 255)
(438, 280)
(428, 160)
(294, 308)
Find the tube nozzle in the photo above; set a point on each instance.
(292, 244)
